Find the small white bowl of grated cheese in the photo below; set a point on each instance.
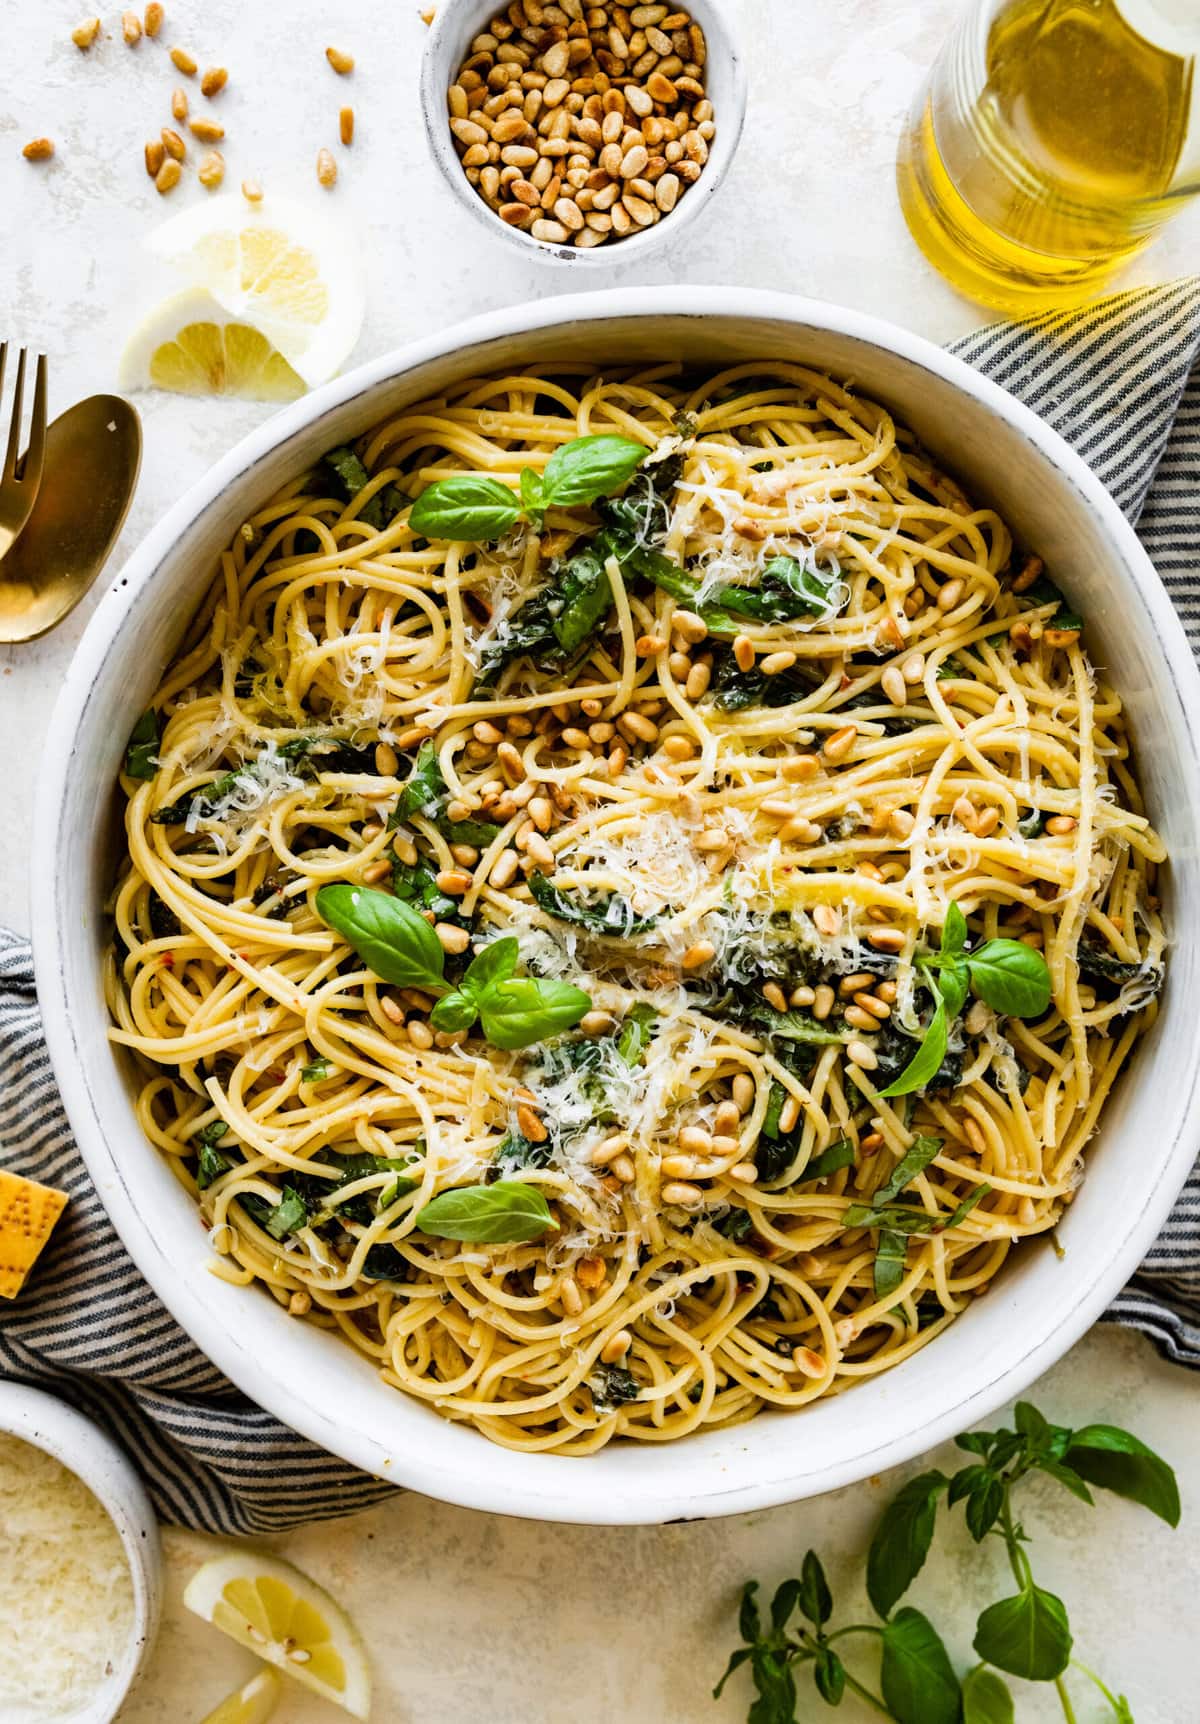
(80, 1565)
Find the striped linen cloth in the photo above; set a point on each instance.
(1121, 381)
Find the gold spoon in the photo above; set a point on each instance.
(93, 453)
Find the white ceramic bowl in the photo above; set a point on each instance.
(51, 1425)
(455, 25)
(1036, 1309)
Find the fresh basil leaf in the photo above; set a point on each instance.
(1028, 1635)
(831, 1160)
(637, 1032)
(785, 589)
(456, 1010)
(1114, 1460)
(776, 1703)
(829, 1674)
(954, 931)
(316, 1072)
(901, 1540)
(416, 883)
(533, 494)
(954, 979)
(278, 1219)
(966, 1480)
(468, 506)
(480, 833)
(384, 1263)
(589, 467)
(610, 915)
(1011, 978)
(1066, 1476)
(927, 1060)
(494, 963)
(323, 1194)
(611, 1387)
(517, 1012)
(391, 938)
(903, 1218)
(915, 1160)
(983, 1506)
(787, 1597)
(140, 761)
(345, 471)
(507, 1213)
(213, 1132)
(814, 1596)
(916, 1677)
(1031, 1423)
(986, 1698)
(749, 1624)
(888, 1270)
(736, 1660)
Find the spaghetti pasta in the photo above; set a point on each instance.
(818, 707)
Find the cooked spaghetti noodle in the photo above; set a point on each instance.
(738, 836)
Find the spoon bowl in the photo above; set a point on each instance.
(93, 454)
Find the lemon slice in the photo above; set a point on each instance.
(287, 1620)
(190, 344)
(286, 268)
(253, 1703)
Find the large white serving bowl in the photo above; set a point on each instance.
(1036, 1310)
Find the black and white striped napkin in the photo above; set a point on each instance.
(1121, 381)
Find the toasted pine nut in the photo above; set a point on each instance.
(894, 686)
(83, 35)
(789, 1115)
(531, 1125)
(679, 748)
(743, 652)
(913, 668)
(861, 1055)
(744, 1172)
(1060, 824)
(1029, 573)
(838, 746)
(341, 63)
(155, 155)
(636, 726)
(822, 1001)
(326, 168)
(686, 1196)
(38, 150)
(886, 939)
(183, 62)
(595, 1023)
(454, 881)
(299, 1303)
(393, 1011)
(453, 938)
(649, 646)
(694, 1140)
(252, 191)
(504, 869)
(774, 995)
(776, 663)
(152, 20)
(743, 1092)
(950, 594)
(168, 176)
(510, 761)
(380, 870)
(213, 81)
(964, 812)
(901, 822)
(974, 1135)
(693, 628)
(801, 768)
(712, 841)
(173, 144)
(386, 760)
(208, 131)
(569, 1296)
(860, 1019)
(698, 679)
(827, 919)
(616, 1347)
(1026, 1212)
(212, 169)
(179, 104)
(346, 125)
(703, 952)
(131, 28)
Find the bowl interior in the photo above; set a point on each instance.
(453, 29)
(1035, 1310)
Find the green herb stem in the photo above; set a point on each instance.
(1065, 1699)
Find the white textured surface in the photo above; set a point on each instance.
(472, 1618)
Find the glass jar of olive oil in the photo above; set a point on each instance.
(1053, 138)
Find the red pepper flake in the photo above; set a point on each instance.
(276, 1076)
(168, 960)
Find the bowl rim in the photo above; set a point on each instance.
(44, 1422)
(448, 34)
(551, 1498)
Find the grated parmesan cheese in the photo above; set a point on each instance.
(66, 1595)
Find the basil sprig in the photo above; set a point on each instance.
(395, 941)
(1027, 1634)
(506, 1213)
(141, 754)
(475, 507)
(1012, 978)
(513, 1010)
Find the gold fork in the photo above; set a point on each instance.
(18, 490)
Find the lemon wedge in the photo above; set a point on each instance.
(284, 267)
(288, 1620)
(190, 344)
(253, 1703)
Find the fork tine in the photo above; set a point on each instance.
(14, 432)
(31, 472)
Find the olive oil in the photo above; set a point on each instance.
(1052, 140)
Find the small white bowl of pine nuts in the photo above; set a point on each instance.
(581, 131)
